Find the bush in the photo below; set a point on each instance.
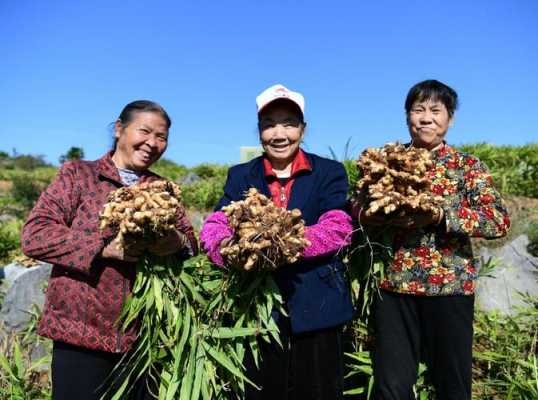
(204, 194)
(9, 239)
(169, 169)
(26, 191)
(514, 168)
(208, 170)
(29, 163)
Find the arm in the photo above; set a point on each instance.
(333, 229)
(47, 234)
(481, 212)
(214, 231)
(329, 235)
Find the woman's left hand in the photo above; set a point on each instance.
(169, 244)
(418, 220)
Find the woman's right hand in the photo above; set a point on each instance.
(114, 251)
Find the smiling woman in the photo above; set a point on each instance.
(92, 276)
(141, 135)
(308, 364)
(425, 308)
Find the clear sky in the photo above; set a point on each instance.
(68, 67)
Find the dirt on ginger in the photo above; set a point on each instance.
(142, 212)
(266, 237)
(394, 181)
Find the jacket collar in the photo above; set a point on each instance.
(302, 186)
(108, 170)
(300, 163)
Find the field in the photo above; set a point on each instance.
(505, 365)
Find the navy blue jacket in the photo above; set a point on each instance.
(316, 292)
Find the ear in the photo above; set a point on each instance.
(303, 130)
(117, 129)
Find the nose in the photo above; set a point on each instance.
(280, 131)
(426, 117)
(151, 141)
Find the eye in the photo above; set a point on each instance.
(162, 137)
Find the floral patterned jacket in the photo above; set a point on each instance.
(438, 260)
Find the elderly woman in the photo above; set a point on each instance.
(426, 304)
(309, 364)
(91, 278)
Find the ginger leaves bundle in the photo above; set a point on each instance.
(394, 181)
(265, 236)
(195, 321)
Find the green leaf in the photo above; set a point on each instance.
(186, 384)
(227, 333)
(223, 360)
(157, 290)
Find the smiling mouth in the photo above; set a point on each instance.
(144, 155)
(279, 146)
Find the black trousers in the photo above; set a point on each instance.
(79, 373)
(438, 330)
(308, 367)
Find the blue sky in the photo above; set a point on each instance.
(68, 68)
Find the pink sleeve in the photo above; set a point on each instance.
(214, 231)
(331, 233)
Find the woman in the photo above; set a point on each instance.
(309, 365)
(91, 277)
(426, 304)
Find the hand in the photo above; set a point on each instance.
(359, 213)
(419, 220)
(114, 251)
(169, 244)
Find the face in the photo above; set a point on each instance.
(428, 122)
(142, 142)
(281, 133)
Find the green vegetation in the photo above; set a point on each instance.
(505, 363)
(74, 153)
(22, 376)
(10, 233)
(514, 168)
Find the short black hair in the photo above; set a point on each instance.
(434, 90)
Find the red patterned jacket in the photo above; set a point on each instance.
(85, 292)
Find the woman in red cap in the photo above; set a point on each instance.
(315, 289)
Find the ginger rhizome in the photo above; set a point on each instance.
(265, 236)
(394, 181)
(145, 211)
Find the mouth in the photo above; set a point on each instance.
(144, 156)
(279, 147)
(425, 129)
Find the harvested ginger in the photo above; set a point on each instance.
(394, 181)
(145, 211)
(265, 236)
